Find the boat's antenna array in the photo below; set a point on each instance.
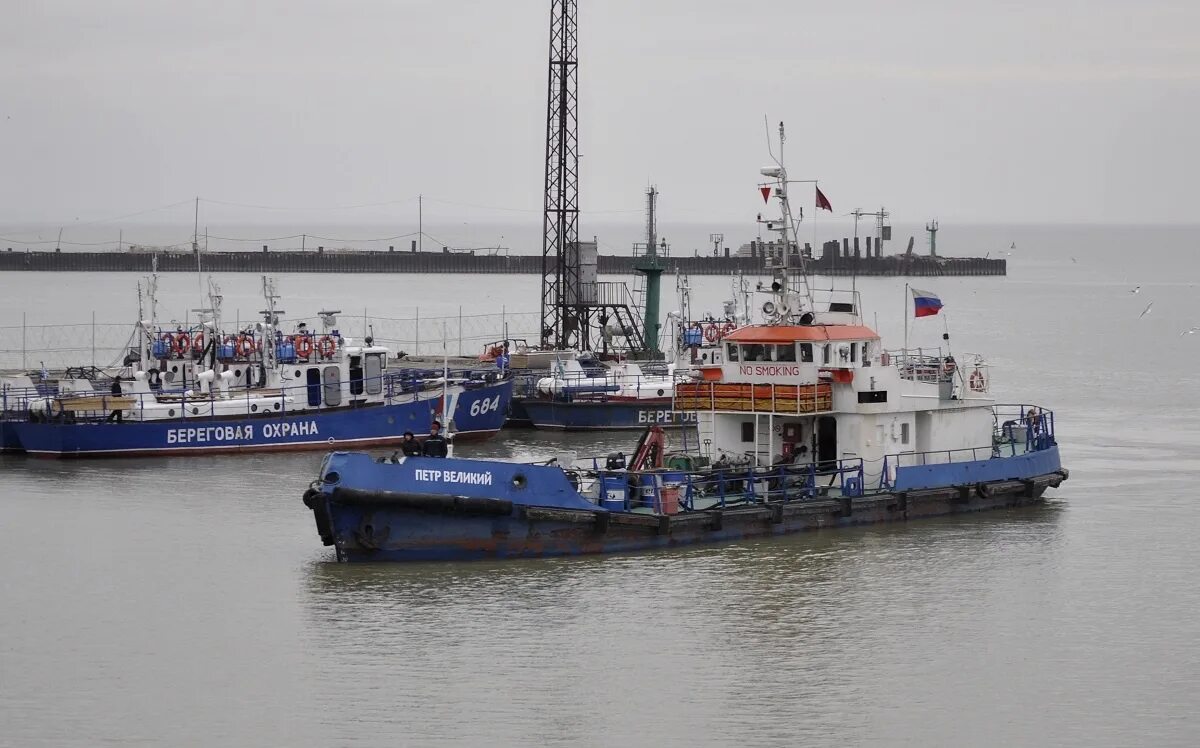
(792, 289)
(329, 320)
(270, 322)
(148, 324)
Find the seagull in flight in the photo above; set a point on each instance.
(1192, 331)
(1146, 310)
(1074, 260)
(1136, 289)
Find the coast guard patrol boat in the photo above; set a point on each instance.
(261, 390)
(805, 421)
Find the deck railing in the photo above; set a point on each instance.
(95, 407)
(732, 486)
(1019, 429)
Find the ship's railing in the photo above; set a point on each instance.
(921, 364)
(705, 332)
(754, 398)
(1019, 429)
(669, 491)
(29, 345)
(191, 405)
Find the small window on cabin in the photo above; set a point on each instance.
(806, 352)
(732, 351)
(853, 352)
(747, 431)
(826, 350)
(752, 352)
(785, 352)
(904, 433)
(866, 352)
(356, 375)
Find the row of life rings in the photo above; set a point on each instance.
(714, 331)
(325, 346)
(182, 343)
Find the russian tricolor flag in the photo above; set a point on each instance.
(925, 304)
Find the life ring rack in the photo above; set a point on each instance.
(304, 346)
(326, 346)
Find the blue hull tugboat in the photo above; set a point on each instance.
(256, 392)
(804, 422)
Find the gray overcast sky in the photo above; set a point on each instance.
(1005, 111)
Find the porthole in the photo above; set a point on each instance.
(519, 481)
(237, 373)
(170, 413)
(253, 408)
(276, 406)
(195, 411)
(296, 374)
(660, 393)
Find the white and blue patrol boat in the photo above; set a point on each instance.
(805, 421)
(197, 391)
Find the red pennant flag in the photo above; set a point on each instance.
(822, 201)
(766, 193)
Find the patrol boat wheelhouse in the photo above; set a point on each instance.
(805, 422)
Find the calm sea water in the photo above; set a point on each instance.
(189, 601)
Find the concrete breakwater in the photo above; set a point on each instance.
(457, 262)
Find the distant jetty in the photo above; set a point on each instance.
(836, 258)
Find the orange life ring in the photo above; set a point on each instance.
(326, 346)
(245, 346)
(304, 346)
(712, 333)
(198, 343)
(977, 382)
(180, 343)
(730, 326)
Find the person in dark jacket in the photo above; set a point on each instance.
(435, 444)
(410, 446)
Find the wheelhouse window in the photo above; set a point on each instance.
(826, 351)
(785, 352)
(753, 352)
(806, 353)
(904, 433)
(731, 351)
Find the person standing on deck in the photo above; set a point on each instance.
(410, 446)
(116, 392)
(435, 444)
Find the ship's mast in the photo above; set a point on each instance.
(796, 279)
(269, 323)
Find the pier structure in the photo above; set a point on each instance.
(836, 258)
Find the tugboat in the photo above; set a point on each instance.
(805, 422)
(261, 390)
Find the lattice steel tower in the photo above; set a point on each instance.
(561, 293)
